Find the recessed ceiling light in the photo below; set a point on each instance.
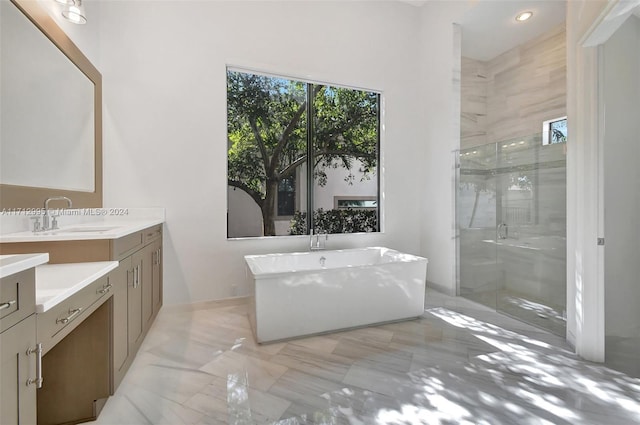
(524, 16)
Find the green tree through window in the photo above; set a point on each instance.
(271, 138)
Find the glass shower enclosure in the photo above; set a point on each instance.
(511, 224)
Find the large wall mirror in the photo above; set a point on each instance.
(50, 114)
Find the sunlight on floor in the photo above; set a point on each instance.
(457, 364)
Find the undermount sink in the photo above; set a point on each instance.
(85, 229)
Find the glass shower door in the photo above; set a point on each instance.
(531, 230)
(511, 216)
(478, 275)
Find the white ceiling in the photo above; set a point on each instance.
(489, 27)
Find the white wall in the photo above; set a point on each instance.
(163, 66)
(440, 57)
(622, 180)
(585, 297)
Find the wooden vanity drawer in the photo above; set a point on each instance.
(127, 245)
(55, 324)
(17, 298)
(152, 233)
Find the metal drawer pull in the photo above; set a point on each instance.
(72, 313)
(38, 352)
(104, 289)
(7, 304)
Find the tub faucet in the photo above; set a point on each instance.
(45, 217)
(318, 244)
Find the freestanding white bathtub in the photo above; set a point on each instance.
(306, 293)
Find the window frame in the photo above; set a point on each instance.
(296, 200)
(546, 130)
(310, 180)
(337, 199)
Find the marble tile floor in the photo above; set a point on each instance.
(540, 313)
(460, 363)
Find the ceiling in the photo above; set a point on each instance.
(489, 27)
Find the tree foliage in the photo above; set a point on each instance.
(336, 221)
(267, 134)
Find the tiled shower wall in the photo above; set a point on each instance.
(511, 95)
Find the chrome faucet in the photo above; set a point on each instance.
(45, 217)
(318, 244)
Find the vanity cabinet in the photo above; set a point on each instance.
(136, 288)
(17, 394)
(136, 285)
(156, 275)
(18, 354)
(17, 298)
(120, 278)
(76, 371)
(137, 296)
(55, 324)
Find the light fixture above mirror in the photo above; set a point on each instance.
(73, 11)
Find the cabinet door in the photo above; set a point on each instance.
(157, 276)
(17, 397)
(17, 297)
(134, 304)
(147, 286)
(119, 280)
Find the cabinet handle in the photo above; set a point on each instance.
(158, 256)
(136, 276)
(72, 313)
(104, 289)
(38, 352)
(7, 304)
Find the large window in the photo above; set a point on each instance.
(287, 196)
(295, 147)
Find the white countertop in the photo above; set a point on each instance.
(85, 231)
(57, 282)
(12, 264)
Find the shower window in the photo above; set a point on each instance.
(554, 131)
(292, 148)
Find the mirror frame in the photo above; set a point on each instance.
(17, 197)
